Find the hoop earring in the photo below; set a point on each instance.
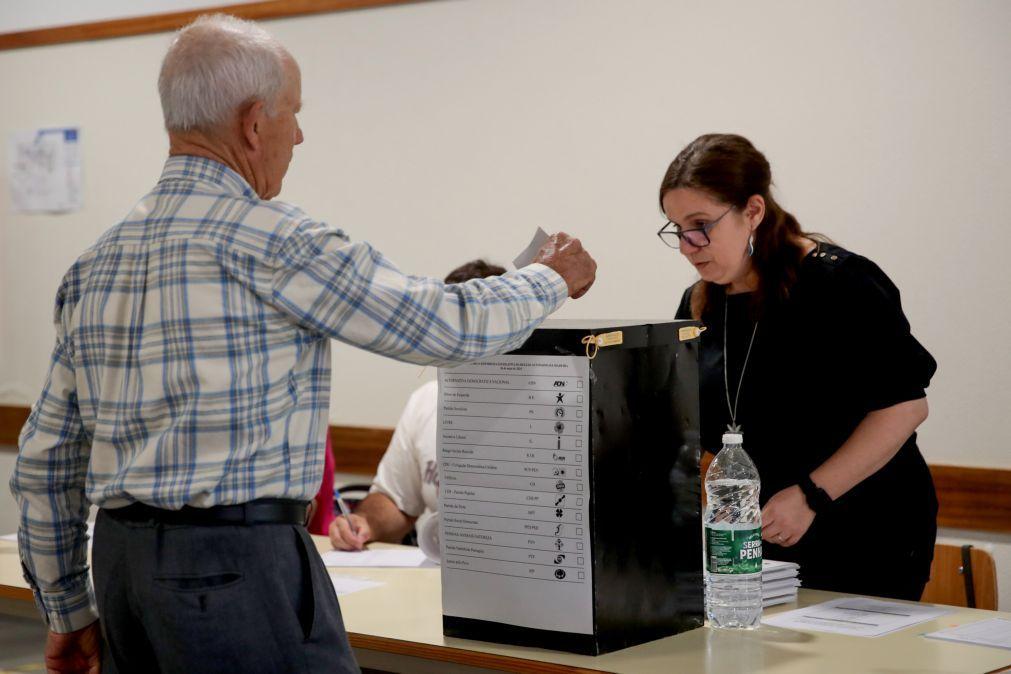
(751, 245)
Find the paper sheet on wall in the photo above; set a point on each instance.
(514, 492)
(44, 169)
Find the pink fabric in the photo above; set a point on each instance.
(324, 515)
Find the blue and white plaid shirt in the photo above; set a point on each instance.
(192, 360)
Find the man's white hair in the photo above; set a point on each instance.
(216, 65)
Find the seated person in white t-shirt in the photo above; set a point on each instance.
(407, 481)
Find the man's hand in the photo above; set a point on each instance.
(77, 652)
(341, 536)
(566, 256)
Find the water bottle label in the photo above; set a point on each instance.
(734, 550)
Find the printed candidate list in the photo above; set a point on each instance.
(514, 492)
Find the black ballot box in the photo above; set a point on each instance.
(569, 497)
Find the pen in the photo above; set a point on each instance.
(346, 512)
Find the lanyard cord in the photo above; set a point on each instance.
(733, 427)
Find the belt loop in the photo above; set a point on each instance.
(247, 514)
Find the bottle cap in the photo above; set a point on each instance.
(733, 438)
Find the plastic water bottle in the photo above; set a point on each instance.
(733, 538)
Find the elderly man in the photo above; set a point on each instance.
(188, 389)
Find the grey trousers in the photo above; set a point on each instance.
(193, 599)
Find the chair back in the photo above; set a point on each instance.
(962, 576)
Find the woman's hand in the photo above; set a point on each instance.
(341, 536)
(786, 517)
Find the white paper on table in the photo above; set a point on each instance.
(346, 584)
(44, 168)
(994, 632)
(857, 617)
(9, 537)
(378, 557)
(530, 252)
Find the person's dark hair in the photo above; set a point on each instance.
(474, 269)
(731, 170)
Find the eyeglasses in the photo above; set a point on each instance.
(672, 233)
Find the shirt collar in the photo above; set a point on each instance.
(207, 172)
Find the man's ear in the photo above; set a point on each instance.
(252, 119)
(754, 210)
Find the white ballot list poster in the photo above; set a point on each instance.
(44, 168)
(514, 492)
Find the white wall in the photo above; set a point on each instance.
(441, 131)
(445, 130)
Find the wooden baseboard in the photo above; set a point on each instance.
(977, 499)
(358, 449)
(158, 23)
(973, 498)
(12, 418)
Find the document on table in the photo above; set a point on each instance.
(346, 585)
(994, 632)
(857, 617)
(377, 557)
(513, 448)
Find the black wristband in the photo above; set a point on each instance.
(818, 499)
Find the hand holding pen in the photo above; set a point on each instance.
(349, 531)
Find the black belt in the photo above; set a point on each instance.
(260, 511)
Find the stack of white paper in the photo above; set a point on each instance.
(779, 582)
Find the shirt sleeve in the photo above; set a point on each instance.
(399, 472)
(888, 365)
(350, 292)
(48, 485)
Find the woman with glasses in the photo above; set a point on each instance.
(807, 352)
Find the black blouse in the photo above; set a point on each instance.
(838, 348)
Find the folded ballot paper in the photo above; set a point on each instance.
(779, 582)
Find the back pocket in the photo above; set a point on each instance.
(307, 603)
(199, 583)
